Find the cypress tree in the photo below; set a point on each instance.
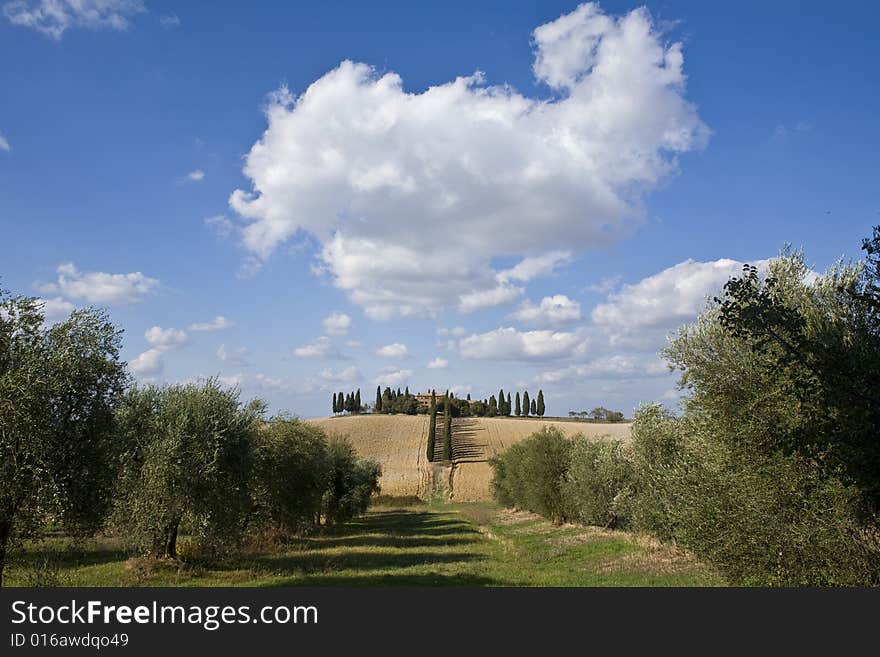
(540, 407)
(518, 407)
(501, 402)
(432, 430)
(447, 443)
(334, 402)
(493, 404)
(378, 407)
(507, 406)
(534, 408)
(406, 392)
(526, 403)
(357, 401)
(340, 406)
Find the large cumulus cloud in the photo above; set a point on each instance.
(413, 195)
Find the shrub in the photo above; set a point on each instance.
(529, 474)
(293, 469)
(351, 482)
(598, 483)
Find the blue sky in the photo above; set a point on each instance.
(542, 224)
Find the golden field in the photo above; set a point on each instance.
(399, 442)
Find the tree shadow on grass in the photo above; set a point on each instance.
(402, 579)
(318, 562)
(38, 555)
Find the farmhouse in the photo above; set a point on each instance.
(424, 399)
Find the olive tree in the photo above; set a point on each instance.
(190, 458)
(58, 385)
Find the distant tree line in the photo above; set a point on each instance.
(396, 402)
(599, 413)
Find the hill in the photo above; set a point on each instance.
(399, 442)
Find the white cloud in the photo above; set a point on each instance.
(396, 350)
(413, 195)
(99, 287)
(4, 144)
(438, 364)
(643, 313)
(160, 340)
(456, 331)
(605, 285)
(195, 176)
(347, 375)
(169, 21)
(616, 366)
(231, 380)
(393, 379)
(56, 309)
(217, 324)
(496, 296)
(552, 311)
(149, 362)
(265, 382)
(165, 339)
(321, 347)
(54, 17)
(782, 131)
(337, 324)
(239, 356)
(534, 267)
(510, 344)
(220, 225)
(353, 344)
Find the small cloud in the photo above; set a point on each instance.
(4, 144)
(393, 379)
(353, 344)
(165, 339)
(220, 225)
(56, 309)
(321, 347)
(457, 331)
(98, 287)
(249, 268)
(438, 364)
(217, 324)
(782, 131)
(53, 18)
(554, 310)
(169, 21)
(149, 362)
(346, 375)
(535, 266)
(396, 350)
(195, 176)
(238, 356)
(497, 296)
(337, 324)
(605, 285)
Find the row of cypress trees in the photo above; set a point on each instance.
(447, 428)
(348, 403)
(523, 405)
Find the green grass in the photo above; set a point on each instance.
(398, 543)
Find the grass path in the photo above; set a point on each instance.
(395, 545)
